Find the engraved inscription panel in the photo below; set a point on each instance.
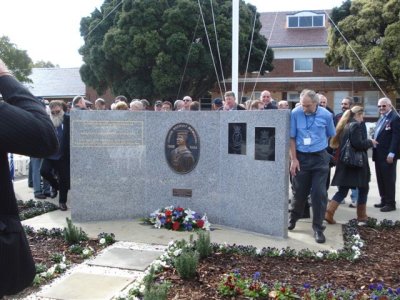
(106, 133)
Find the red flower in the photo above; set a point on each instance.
(282, 289)
(168, 213)
(176, 225)
(200, 223)
(168, 220)
(179, 209)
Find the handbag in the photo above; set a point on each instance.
(17, 268)
(350, 156)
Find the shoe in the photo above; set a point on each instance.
(40, 196)
(47, 194)
(352, 205)
(63, 206)
(379, 205)
(292, 224)
(53, 194)
(387, 208)
(319, 237)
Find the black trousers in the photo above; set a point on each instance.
(62, 184)
(386, 178)
(313, 174)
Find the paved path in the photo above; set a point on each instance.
(118, 266)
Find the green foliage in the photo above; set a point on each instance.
(157, 291)
(40, 268)
(17, 60)
(143, 47)
(32, 208)
(371, 27)
(186, 264)
(234, 284)
(57, 257)
(109, 238)
(37, 280)
(76, 249)
(73, 234)
(203, 244)
(44, 64)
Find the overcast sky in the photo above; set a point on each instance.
(49, 29)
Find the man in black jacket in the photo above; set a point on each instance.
(25, 128)
(59, 161)
(385, 154)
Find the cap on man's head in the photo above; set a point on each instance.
(158, 103)
(217, 101)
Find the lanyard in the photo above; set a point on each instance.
(308, 127)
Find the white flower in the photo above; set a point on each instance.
(43, 274)
(85, 252)
(258, 251)
(177, 252)
(358, 253)
(281, 252)
(171, 243)
(356, 256)
(64, 258)
(360, 244)
(102, 241)
(356, 237)
(62, 266)
(333, 251)
(189, 212)
(355, 248)
(319, 255)
(142, 288)
(157, 223)
(51, 271)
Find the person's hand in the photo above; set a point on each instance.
(374, 142)
(3, 69)
(294, 167)
(389, 160)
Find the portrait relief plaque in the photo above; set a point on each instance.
(182, 148)
(264, 143)
(237, 138)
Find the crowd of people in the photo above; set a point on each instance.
(316, 138)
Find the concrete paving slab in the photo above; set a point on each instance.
(123, 258)
(84, 286)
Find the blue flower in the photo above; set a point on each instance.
(256, 276)
(307, 285)
(162, 220)
(380, 287)
(398, 291)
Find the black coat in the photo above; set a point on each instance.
(25, 128)
(354, 177)
(388, 138)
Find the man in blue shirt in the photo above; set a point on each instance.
(310, 128)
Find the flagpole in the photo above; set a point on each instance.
(235, 49)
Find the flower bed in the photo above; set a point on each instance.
(178, 218)
(32, 208)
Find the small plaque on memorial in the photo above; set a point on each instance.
(264, 143)
(237, 138)
(182, 193)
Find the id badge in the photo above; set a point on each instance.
(307, 141)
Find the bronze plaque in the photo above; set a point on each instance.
(182, 193)
(182, 148)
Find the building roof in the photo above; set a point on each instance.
(56, 82)
(283, 37)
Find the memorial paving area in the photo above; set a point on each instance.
(117, 267)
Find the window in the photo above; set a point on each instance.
(306, 20)
(303, 65)
(344, 67)
(293, 96)
(370, 102)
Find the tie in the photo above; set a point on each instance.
(379, 125)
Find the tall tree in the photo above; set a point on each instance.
(372, 29)
(17, 60)
(44, 64)
(143, 47)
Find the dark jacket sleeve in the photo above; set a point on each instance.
(25, 127)
(395, 141)
(358, 138)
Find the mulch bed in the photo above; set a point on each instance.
(379, 262)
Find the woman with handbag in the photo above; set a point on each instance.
(352, 168)
(25, 128)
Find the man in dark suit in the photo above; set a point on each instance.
(230, 102)
(60, 161)
(385, 154)
(25, 128)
